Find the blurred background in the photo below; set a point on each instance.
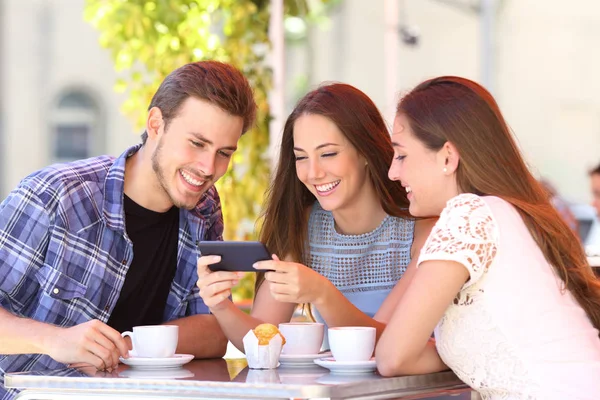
(76, 76)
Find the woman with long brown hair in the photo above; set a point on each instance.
(342, 230)
(502, 279)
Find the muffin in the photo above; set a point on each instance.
(263, 346)
(265, 332)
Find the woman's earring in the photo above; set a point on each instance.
(445, 170)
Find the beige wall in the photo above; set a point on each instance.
(548, 85)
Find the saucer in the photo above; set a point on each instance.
(300, 360)
(170, 373)
(347, 367)
(157, 363)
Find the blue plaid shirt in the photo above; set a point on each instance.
(64, 252)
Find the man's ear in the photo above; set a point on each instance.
(154, 123)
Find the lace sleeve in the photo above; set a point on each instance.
(465, 233)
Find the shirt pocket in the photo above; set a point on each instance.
(58, 285)
(59, 299)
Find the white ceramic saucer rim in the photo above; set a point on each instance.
(331, 361)
(347, 368)
(158, 363)
(302, 357)
(155, 360)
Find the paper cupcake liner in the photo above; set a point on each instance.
(262, 356)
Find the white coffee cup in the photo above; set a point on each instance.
(153, 341)
(352, 343)
(302, 337)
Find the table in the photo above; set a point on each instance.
(227, 379)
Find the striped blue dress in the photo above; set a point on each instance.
(365, 267)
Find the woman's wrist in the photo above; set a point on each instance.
(222, 307)
(324, 293)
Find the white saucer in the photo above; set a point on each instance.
(300, 360)
(347, 367)
(157, 363)
(170, 373)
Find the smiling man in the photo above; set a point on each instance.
(91, 248)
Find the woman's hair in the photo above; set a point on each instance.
(459, 111)
(288, 201)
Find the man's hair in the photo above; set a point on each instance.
(595, 171)
(215, 82)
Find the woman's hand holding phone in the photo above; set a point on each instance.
(292, 282)
(215, 287)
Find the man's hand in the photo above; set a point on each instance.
(92, 342)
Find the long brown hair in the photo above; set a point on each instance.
(285, 213)
(457, 110)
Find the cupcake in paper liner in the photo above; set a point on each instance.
(263, 346)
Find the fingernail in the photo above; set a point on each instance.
(255, 265)
(216, 258)
(240, 274)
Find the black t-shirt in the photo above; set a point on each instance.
(148, 281)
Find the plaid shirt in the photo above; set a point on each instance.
(64, 251)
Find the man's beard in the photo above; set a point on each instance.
(160, 175)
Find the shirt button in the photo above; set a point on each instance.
(106, 309)
(55, 291)
(124, 262)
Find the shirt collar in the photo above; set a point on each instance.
(114, 186)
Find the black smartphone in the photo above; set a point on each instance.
(235, 256)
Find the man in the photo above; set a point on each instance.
(593, 238)
(91, 248)
(561, 205)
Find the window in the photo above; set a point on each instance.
(75, 126)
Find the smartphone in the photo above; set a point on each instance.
(235, 256)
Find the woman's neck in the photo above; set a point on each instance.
(361, 216)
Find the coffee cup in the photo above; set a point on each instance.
(352, 343)
(153, 341)
(302, 337)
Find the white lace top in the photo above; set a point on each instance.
(512, 332)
